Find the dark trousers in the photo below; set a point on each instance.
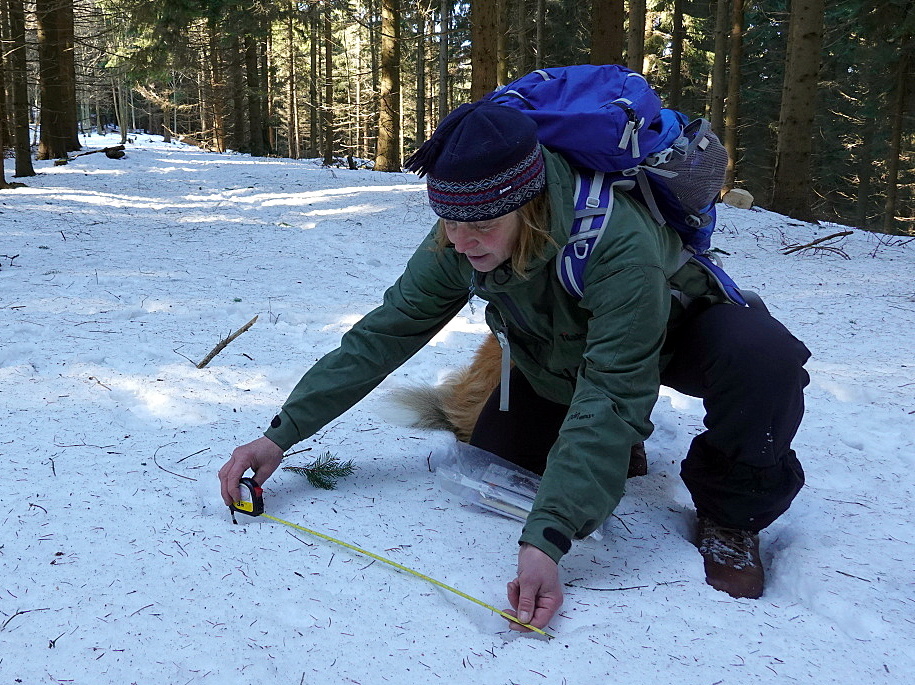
(748, 370)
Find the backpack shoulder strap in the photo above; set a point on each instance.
(593, 202)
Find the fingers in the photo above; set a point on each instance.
(527, 602)
(262, 456)
(536, 593)
(525, 607)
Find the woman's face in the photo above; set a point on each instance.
(486, 244)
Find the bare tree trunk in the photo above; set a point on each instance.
(538, 37)
(865, 164)
(897, 122)
(607, 34)
(265, 55)
(255, 145)
(237, 79)
(389, 134)
(314, 131)
(502, 56)
(19, 90)
(445, 30)
(635, 54)
(67, 69)
(732, 106)
(484, 26)
(292, 112)
(676, 57)
(719, 67)
(328, 87)
(216, 89)
(203, 101)
(120, 107)
(421, 22)
(792, 187)
(54, 141)
(522, 19)
(5, 137)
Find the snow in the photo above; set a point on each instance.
(120, 563)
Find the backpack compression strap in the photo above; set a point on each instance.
(593, 201)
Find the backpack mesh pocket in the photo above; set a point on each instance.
(695, 168)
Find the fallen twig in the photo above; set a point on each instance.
(165, 469)
(221, 345)
(790, 249)
(608, 589)
(192, 455)
(20, 613)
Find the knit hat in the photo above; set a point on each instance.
(482, 162)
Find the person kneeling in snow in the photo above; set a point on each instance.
(586, 373)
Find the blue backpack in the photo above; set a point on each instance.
(608, 122)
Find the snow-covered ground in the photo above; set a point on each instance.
(119, 562)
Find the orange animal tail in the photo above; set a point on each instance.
(456, 403)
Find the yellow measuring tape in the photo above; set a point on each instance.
(252, 510)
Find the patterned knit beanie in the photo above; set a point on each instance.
(482, 162)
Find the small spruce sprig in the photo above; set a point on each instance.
(325, 471)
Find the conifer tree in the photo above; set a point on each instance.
(792, 186)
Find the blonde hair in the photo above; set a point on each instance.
(532, 239)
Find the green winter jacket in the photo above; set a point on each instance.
(602, 355)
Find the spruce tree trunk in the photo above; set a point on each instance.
(676, 57)
(538, 38)
(502, 52)
(484, 25)
(389, 143)
(292, 111)
(719, 67)
(314, 131)
(522, 19)
(732, 104)
(19, 90)
(420, 132)
(67, 68)
(217, 89)
(635, 52)
(897, 122)
(265, 55)
(255, 145)
(120, 109)
(792, 187)
(203, 102)
(865, 165)
(607, 33)
(5, 138)
(236, 133)
(445, 25)
(55, 138)
(328, 87)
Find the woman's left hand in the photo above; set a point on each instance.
(536, 594)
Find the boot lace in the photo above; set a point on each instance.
(728, 546)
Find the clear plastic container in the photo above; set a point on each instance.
(487, 481)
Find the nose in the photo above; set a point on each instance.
(463, 237)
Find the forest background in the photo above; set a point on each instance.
(811, 98)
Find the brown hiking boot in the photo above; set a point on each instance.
(638, 461)
(732, 562)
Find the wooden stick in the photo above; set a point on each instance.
(221, 345)
(797, 248)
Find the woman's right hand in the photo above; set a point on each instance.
(263, 456)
